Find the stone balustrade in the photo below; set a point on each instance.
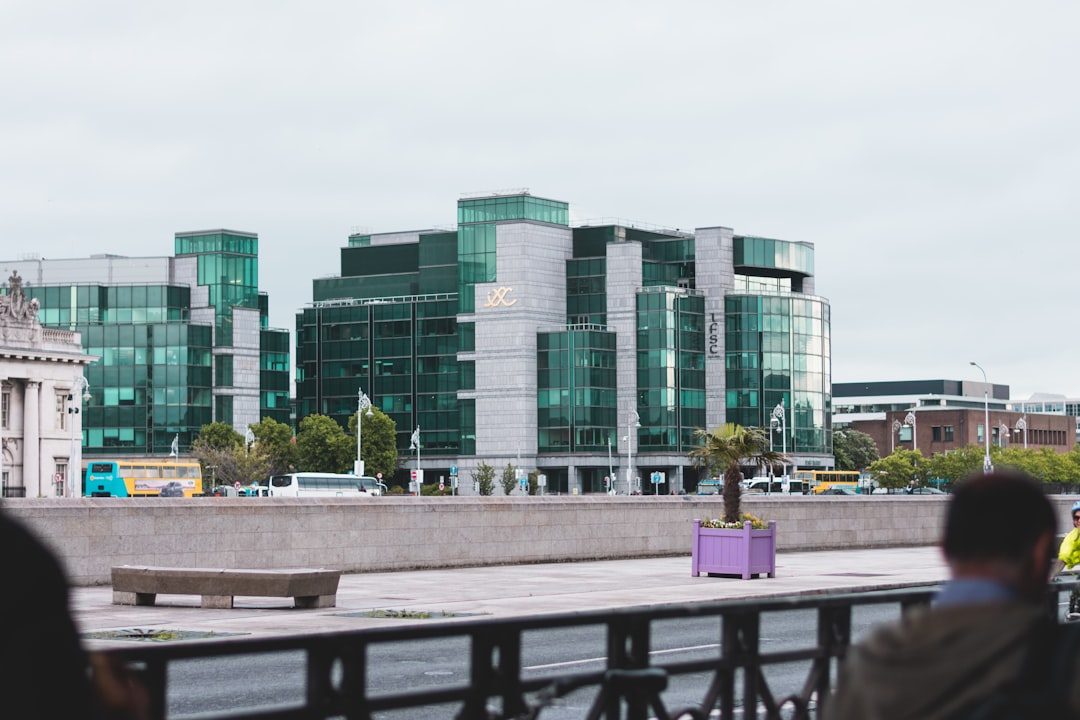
(91, 535)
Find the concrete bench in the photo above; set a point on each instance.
(140, 585)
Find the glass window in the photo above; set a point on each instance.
(61, 411)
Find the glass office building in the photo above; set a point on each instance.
(184, 341)
(586, 352)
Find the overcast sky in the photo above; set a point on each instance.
(929, 150)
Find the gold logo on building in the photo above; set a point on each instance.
(497, 297)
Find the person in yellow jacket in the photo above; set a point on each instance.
(1069, 557)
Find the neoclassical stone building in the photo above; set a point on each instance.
(41, 395)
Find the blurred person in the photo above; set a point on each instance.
(987, 637)
(44, 671)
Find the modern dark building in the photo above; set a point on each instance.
(183, 341)
(584, 352)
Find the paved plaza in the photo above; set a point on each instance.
(516, 590)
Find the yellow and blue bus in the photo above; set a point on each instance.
(142, 478)
(818, 481)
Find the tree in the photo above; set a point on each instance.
(484, 478)
(322, 446)
(277, 440)
(724, 449)
(218, 435)
(955, 465)
(233, 463)
(508, 480)
(379, 438)
(854, 450)
(899, 469)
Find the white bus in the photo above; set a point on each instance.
(312, 484)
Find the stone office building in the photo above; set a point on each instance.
(584, 352)
(41, 388)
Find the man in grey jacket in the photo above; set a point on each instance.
(980, 634)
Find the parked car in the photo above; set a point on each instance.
(838, 491)
(172, 489)
(925, 491)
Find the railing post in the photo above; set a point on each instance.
(628, 649)
(740, 648)
(496, 670)
(834, 637)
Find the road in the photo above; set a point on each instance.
(198, 686)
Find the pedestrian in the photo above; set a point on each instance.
(1069, 557)
(987, 633)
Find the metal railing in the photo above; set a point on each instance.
(630, 686)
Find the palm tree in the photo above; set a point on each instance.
(728, 447)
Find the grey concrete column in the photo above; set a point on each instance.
(32, 439)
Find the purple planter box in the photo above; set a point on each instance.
(743, 552)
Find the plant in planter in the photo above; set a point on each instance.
(739, 544)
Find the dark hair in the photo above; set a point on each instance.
(999, 515)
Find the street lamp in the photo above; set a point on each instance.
(987, 465)
(80, 385)
(1021, 424)
(777, 415)
(1003, 432)
(910, 420)
(896, 425)
(632, 421)
(363, 402)
(414, 444)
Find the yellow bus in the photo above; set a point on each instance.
(821, 480)
(142, 478)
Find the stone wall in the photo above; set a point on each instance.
(399, 533)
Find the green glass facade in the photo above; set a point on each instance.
(396, 337)
(153, 380)
(158, 369)
(670, 368)
(401, 322)
(228, 266)
(778, 353)
(577, 403)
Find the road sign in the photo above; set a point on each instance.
(453, 469)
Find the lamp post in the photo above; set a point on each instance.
(987, 465)
(896, 425)
(611, 469)
(632, 421)
(910, 420)
(1021, 424)
(414, 444)
(363, 402)
(1003, 432)
(80, 392)
(779, 416)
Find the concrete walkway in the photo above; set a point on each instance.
(515, 590)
